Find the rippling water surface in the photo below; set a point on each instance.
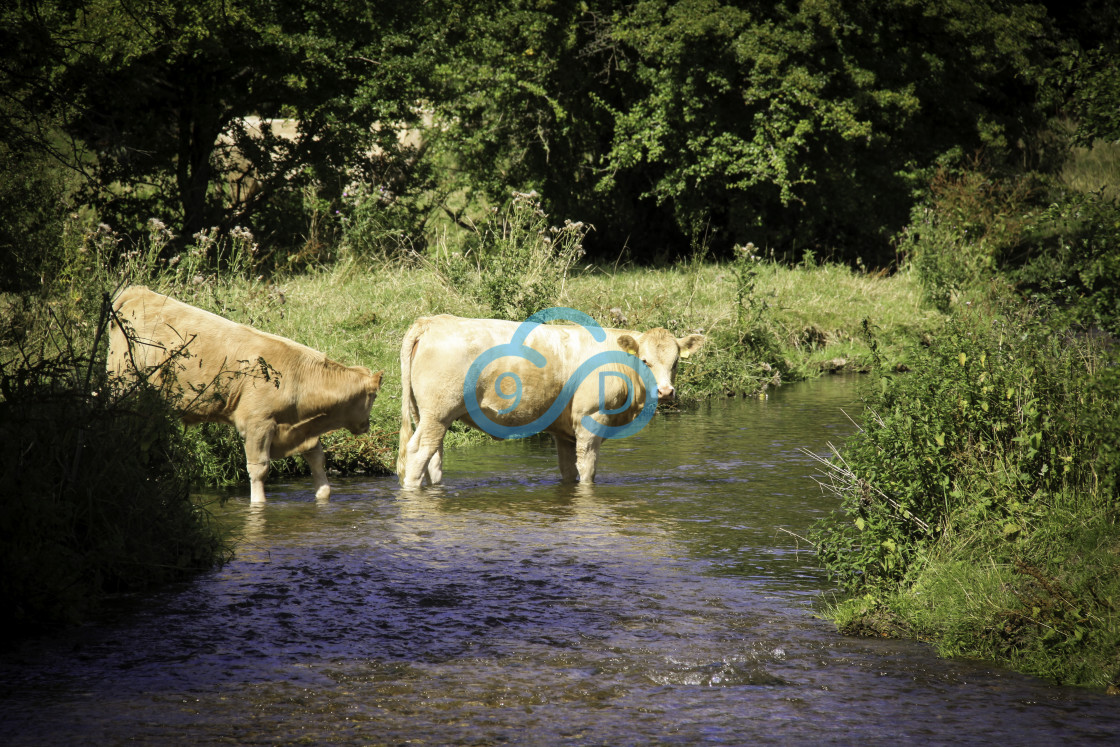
(670, 603)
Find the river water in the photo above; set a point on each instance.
(673, 602)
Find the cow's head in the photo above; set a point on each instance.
(363, 403)
(661, 352)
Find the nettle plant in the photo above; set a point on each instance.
(981, 433)
(517, 262)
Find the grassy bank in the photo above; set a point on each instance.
(794, 323)
(978, 503)
(765, 323)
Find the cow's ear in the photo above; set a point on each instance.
(628, 343)
(690, 344)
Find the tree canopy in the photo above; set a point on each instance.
(136, 95)
(807, 125)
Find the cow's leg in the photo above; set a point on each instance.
(317, 461)
(425, 443)
(258, 442)
(566, 456)
(587, 454)
(435, 465)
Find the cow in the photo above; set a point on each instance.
(439, 354)
(252, 143)
(281, 396)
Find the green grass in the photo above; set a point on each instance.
(1094, 169)
(359, 316)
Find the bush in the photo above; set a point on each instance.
(977, 502)
(746, 357)
(517, 263)
(1072, 259)
(97, 480)
(956, 235)
(986, 428)
(376, 226)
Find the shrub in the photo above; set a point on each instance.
(516, 263)
(97, 480)
(955, 236)
(977, 502)
(376, 226)
(1072, 259)
(986, 428)
(746, 357)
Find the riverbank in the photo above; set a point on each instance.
(787, 325)
(765, 324)
(977, 503)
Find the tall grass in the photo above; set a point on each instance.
(1094, 169)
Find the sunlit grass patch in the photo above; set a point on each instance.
(1094, 169)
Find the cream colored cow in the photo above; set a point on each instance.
(280, 395)
(516, 395)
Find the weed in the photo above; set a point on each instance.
(960, 494)
(517, 263)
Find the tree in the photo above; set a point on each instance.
(137, 94)
(1088, 73)
(797, 125)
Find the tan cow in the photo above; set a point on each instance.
(278, 138)
(280, 395)
(517, 395)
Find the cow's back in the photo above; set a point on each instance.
(443, 349)
(226, 359)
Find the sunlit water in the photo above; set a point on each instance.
(672, 603)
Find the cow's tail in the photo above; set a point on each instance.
(408, 404)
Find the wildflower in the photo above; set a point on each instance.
(240, 233)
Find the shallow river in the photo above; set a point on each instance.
(671, 603)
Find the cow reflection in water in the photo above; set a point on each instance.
(280, 395)
(437, 355)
